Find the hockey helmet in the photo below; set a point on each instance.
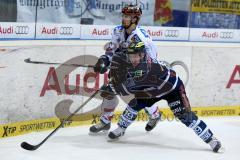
(133, 11)
(136, 54)
(136, 47)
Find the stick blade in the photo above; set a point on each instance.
(27, 60)
(28, 146)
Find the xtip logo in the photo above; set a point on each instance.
(8, 130)
(21, 29)
(172, 33)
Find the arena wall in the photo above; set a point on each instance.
(33, 95)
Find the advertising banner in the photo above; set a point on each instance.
(216, 6)
(215, 14)
(168, 33)
(96, 31)
(9, 30)
(215, 80)
(102, 12)
(56, 87)
(214, 35)
(157, 33)
(57, 31)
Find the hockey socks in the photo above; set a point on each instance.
(128, 116)
(126, 119)
(198, 126)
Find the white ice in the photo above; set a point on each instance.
(168, 141)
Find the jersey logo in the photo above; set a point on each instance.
(138, 73)
(135, 38)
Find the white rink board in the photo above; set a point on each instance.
(10, 30)
(212, 69)
(54, 31)
(57, 31)
(210, 66)
(214, 35)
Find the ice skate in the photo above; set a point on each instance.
(152, 122)
(115, 134)
(216, 145)
(101, 126)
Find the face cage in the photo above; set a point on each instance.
(142, 60)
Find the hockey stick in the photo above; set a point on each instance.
(31, 147)
(28, 60)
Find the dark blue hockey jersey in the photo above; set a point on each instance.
(150, 79)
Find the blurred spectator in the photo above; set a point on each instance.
(172, 13)
(94, 11)
(163, 11)
(215, 14)
(8, 10)
(86, 6)
(214, 20)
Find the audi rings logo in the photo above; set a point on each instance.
(171, 33)
(226, 35)
(66, 30)
(21, 29)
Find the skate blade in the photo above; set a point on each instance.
(112, 140)
(221, 150)
(101, 133)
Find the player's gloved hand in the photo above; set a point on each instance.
(117, 77)
(119, 68)
(102, 65)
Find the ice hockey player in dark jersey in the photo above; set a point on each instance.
(121, 37)
(151, 81)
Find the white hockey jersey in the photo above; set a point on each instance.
(120, 41)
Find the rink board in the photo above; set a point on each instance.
(27, 95)
(20, 128)
(74, 31)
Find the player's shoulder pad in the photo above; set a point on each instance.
(118, 29)
(143, 34)
(136, 38)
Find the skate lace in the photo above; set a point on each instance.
(99, 125)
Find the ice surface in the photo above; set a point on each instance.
(168, 141)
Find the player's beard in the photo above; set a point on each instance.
(125, 24)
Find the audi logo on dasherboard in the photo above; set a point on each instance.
(226, 35)
(66, 30)
(171, 33)
(21, 29)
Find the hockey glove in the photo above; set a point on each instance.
(102, 65)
